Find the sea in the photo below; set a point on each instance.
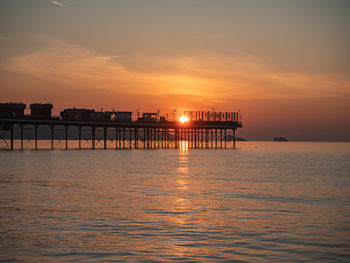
(260, 202)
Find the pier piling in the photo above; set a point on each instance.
(66, 129)
(36, 136)
(11, 131)
(21, 126)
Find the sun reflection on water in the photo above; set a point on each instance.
(183, 147)
(183, 167)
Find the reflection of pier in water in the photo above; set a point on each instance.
(197, 133)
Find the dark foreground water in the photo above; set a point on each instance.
(271, 202)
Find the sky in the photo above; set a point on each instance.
(284, 64)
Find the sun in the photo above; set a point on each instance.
(184, 119)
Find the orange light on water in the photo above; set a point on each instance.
(184, 119)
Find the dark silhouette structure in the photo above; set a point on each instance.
(85, 115)
(40, 111)
(151, 131)
(12, 110)
(123, 116)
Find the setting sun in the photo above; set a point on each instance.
(184, 119)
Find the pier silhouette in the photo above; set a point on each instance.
(125, 130)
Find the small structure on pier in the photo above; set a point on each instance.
(101, 116)
(123, 116)
(40, 111)
(76, 114)
(85, 115)
(12, 110)
(148, 117)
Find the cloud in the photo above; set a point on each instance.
(201, 77)
(57, 3)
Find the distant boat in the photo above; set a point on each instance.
(280, 139)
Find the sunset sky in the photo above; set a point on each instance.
(284, 64)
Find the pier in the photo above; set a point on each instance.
(198, 130)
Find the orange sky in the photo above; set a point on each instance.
(285, 66)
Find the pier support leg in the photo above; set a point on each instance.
(234, 138)
(144, 138)
(202, 132)
(66, 137)
(162, 136)
(79, 137)
(11, 137)
(130, 138)
(51, 136)
(155, 138)
(120, 138)
(93, 138)
(105, 138)
(158, 138)
(206, 138)
(123, 138)
(176, 138)
(152, 138)
(194, 136)
(136, 140)
(147, 132)
(166, 138)
(21, 137)
(225, 138)
(221, 138)
(36, 136)
(52, 127)
(195, 139)
(116, 138)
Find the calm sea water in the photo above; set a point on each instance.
(264, 201)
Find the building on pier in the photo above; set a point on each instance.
(101, 116)
(148, 117)
(12, 110)
(76, 114)
(85, 115)
(123, 116)
(40, 111)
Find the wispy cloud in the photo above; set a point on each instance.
(198, 76)
(57, 3)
